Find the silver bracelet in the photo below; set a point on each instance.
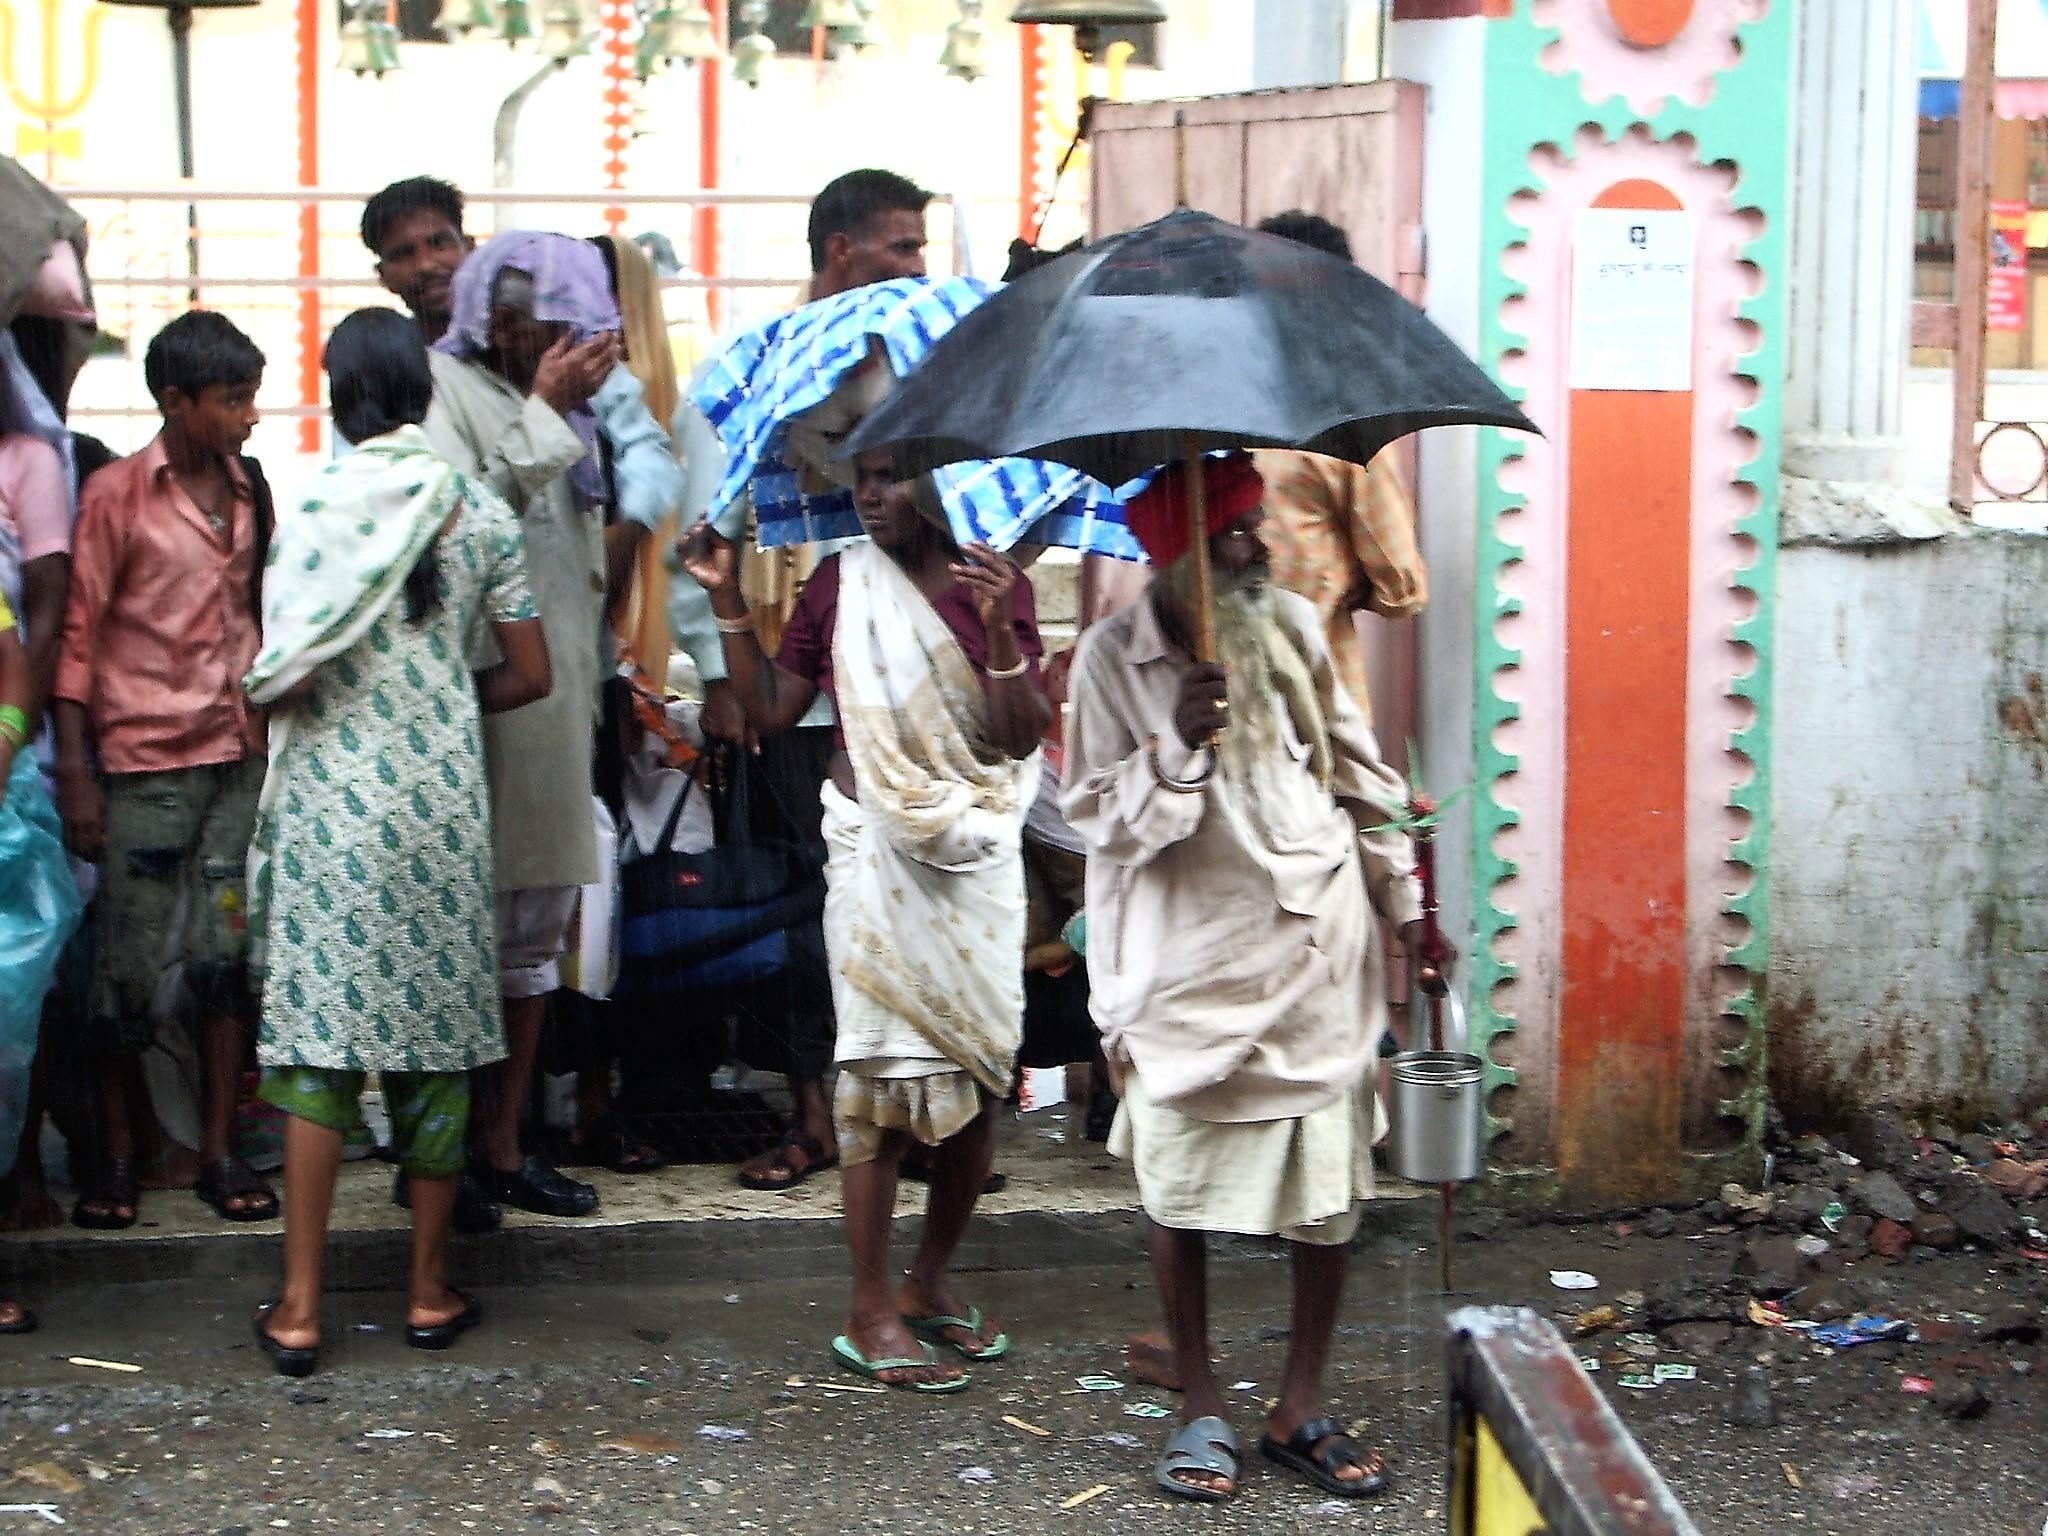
(994, 676)
(1167, 781)
(738, 626)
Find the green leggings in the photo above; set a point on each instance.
(429, 1110)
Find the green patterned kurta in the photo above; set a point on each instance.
(382, 927)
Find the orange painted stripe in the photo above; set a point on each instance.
(1622, 993)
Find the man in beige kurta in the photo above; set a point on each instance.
(1233, 870)
(514, 437)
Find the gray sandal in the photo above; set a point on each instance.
(1204, 1445)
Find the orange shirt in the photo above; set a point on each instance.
(1329, 523)
(159, 630)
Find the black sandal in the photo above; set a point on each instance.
(441, 1335)
(114, 1186)
(614, 1142)
(805, 1145)
(229, 1178)
(24, 1320)
(289, 1361)
(1299, 1454)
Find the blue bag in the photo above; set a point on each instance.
(39, 909)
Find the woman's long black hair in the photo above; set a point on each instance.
(378, 381)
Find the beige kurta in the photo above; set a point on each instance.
(539, 757)
(1231, 953)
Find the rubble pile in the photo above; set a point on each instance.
(1813, 1263)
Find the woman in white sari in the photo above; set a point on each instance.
(930, 653)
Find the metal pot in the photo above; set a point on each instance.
(1436, 1116)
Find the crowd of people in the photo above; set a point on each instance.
(330, 756)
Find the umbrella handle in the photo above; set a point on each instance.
(1198, 546)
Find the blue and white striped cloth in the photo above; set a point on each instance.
(779, 370)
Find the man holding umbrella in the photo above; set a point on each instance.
(1236, 819)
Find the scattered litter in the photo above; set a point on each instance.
(651, 1445)
(1120, 1440)
(1853, 1485)
(722, 1432)
(1593, 1320)
(544, 1447)
(301, 1399)
(1084, 1496)
(104, 1365)
(1812, 1247)
(1027, 1426)
(1573, 1280)
(1098, 1383)
(733, 1300)
(1629, 1301)
(387, 1434)
(1791, 1476)
(1148, 1411)
(1665, 1373)
(976, 1475)
(835, 1386)
(47, 1474)
(1332, 1507)
(51, 1517)
(1862, 1329)
(367, 1328)
(1243, 1386)
(1642, 1345)
(1590, 1364)
(1833, 1214)
(1916, 1386)
(1636, 1381)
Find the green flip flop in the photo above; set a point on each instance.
(934, 1327)
(844, 1351)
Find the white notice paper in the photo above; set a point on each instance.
(1632, 275)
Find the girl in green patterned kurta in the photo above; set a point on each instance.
(370, 875)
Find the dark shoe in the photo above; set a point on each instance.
(24, 1321)
(788, 1163)
(289, 1361)
(475, 1210)
(107, 1196)
(230, 1178)
(441, 1335)
(537, 1186)
(1298, 1453)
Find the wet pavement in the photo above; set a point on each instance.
(663, 1395)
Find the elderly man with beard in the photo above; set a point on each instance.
(1235, 819)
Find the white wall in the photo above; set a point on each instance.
(1909, 866)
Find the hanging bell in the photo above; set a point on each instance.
(562, 34)
(753, 48)
(690, 35)
(966, 55)
(462, 17)
(355, 54)
(862, 35)
(384, 54)
(652, 49)
(515, 21)
(832, 15)
(1089, 17)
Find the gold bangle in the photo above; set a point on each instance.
(738, 626)
(1004, 675)
(1167, 781)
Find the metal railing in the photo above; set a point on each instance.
(286, 263)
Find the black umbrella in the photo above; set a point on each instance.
(1184, 335)
(1188, 330)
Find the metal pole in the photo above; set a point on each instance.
(1973, 248)
(504, 133)
(179, 18)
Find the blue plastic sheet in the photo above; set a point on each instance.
(39, 909)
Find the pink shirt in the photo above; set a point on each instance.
(160, 630)
(33, 503)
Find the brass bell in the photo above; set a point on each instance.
(752, 49)
(463, 17)
(355, 53)
(562, 34)
(966, 55)
(832, 15)
(690, 37)
(1089, 17)
(515, 22)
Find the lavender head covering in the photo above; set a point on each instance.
(570, 287)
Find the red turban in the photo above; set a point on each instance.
(1158, 515)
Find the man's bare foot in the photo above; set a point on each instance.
(294, 1330)
(26, 1206)
(887, 1338)
(1148, 1357)
(934, 1296)
(1334, 1455)
(432, 1311)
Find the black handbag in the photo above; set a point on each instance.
(716, 919)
